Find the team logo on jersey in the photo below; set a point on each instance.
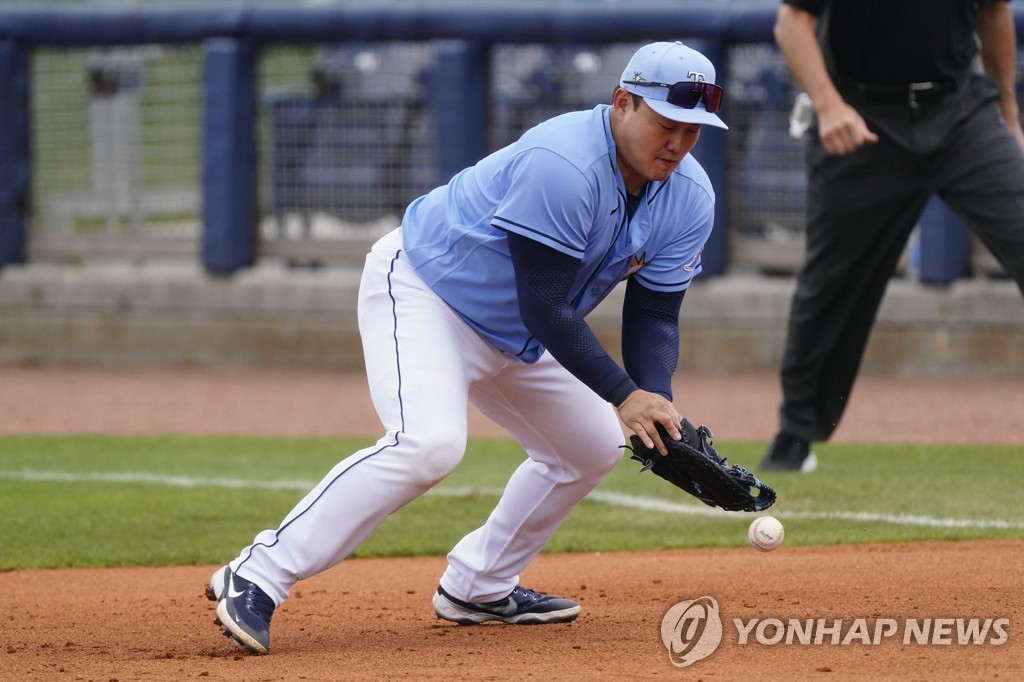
(637, 263)
(692, 264)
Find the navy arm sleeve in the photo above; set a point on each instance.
(544, 277)
(650, 336)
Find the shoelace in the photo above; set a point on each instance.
(529, 594)
(259, 603)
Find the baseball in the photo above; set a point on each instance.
(766, 533)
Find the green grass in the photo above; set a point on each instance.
(93, 519)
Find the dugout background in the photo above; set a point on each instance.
(198, 182)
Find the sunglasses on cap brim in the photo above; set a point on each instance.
(688, 94)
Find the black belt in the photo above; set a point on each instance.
(912, 95)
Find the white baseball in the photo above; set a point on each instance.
(766, 533)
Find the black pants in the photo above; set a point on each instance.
(862, 208)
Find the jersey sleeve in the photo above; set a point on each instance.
(546, 198)
(543, 279)
(650, 337)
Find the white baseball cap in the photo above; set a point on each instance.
(676, 81)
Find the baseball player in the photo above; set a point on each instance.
(481, 296)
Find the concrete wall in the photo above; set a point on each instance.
(171, 315)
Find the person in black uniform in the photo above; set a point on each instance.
(901, 114)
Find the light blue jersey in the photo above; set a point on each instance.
(558, 184)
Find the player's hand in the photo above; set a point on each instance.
(642, 410)
(841, 129)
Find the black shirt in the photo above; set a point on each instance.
(898, 41)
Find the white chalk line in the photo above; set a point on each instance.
(627, 501)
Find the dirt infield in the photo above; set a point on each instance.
(303, 402)
(372, 619)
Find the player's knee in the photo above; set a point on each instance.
(436, 458)
(607, 459)
(600, 461)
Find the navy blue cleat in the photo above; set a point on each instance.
(218, 583)
(520, 607)
(243, 610)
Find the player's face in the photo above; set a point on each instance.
(648, 145)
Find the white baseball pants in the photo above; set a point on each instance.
(424, 365)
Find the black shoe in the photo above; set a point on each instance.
(520, 607)
(789, 453)
(243, 610)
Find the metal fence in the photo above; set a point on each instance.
(344, 143)
(116, 151)
(345, 140)
(346, 137)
